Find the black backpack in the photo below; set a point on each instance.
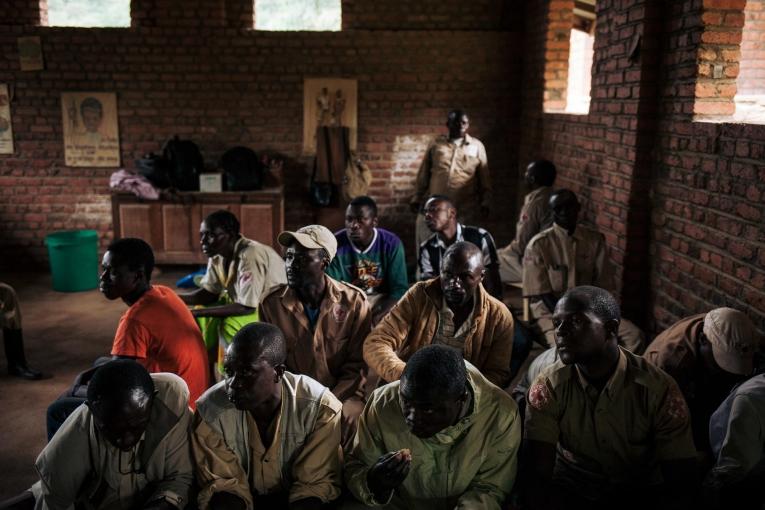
(185, 163)
(242, 169)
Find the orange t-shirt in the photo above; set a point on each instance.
(160, 332)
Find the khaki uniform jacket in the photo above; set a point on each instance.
(332, 353)
(470, 465)
(460, 172)
(254, 271)
(303, 459)
(80, 466)
(617, 436)
(413, 322)
(555, 261)
(536, 215)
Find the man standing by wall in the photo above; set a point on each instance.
(454, 165)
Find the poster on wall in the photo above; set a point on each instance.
(91, 136)
(30, 53)
(6, 128)
(328, 102)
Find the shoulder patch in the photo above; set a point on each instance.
(539, 396)
(675, 405)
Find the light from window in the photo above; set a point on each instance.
(287, 15)
(88, 13)
(750, 84)
(579, 72)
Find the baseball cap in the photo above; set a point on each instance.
(733, 340)
(311, 237)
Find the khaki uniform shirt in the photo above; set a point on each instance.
(254, 271)
(80, 466)
(615, 436)
(312, 470)
(555, 261)
(331, 353)
(470, 465)
(536, 215)
(457, 170)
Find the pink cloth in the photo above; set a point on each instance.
(123, 180)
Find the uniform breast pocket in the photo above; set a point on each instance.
(558, 278)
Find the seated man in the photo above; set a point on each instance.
(443, 437)
(157, 329)
(324, 321)
(263, 437)
(441, 219)
(240, 273)
(562, 257)
(13, 338)
(370, 258)
(737, 434)
(604, 426)
(535, 216)
(707, 355)
(452, 310)
(127, 448)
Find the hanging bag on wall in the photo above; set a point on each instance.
(323, 190)
(356, 179)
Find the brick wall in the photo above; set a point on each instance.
(188, 72)
(751, 78)
(680, 202)
(708, 246)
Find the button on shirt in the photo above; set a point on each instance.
(556, 261)
(253, 271)
(614, 436)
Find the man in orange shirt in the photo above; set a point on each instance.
(158, 330)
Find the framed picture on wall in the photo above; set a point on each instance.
(91, 133)
(329, 102)
(6, 127)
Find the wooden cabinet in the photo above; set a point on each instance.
(171, 227)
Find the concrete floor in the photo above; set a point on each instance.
(63, 334)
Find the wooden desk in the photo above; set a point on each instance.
(171, 227)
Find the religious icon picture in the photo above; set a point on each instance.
(6, 128)
(328, 102)
(91, 133)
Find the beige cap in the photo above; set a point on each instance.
(311, 237)
(733, 340)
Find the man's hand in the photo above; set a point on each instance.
(415, 207)
(389, 472)
(351, 410)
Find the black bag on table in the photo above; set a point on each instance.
(242, 170)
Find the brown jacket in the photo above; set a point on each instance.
(413, 322)
(331, 354)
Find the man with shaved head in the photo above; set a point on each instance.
(604, 427)
(441, 437)
(126, 447)
(264, 437)
(452, 310)
(566, 255)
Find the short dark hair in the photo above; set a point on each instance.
(544, 172)
(266, 338)
(457, 113)
(135, 253)
(441, 198)
(436, 367)
(564, 192)
(365, 201)
(225, 220)
(466, 247)
(117, 379)
(91, 103)
(599, 301)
